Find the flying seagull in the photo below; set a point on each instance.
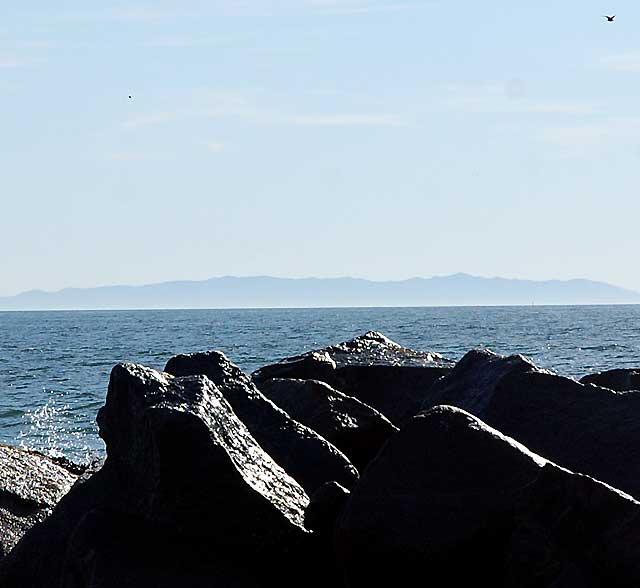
(609, 18)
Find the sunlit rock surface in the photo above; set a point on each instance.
(358, 430)
(590, 430)
(31, 484)
(621, 380)
(306, 456)
(460, 504)
(377, 371)
(186, 494)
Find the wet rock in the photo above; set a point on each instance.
(31, 484)
(621, 380)
(454, 498)
(590, 430)
(377, 371)
(356, 429)
(185, 494)
(300, 451)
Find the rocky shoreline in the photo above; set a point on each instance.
(361, 464)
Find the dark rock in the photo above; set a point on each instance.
(356, 429)
(300, 451)
(451, 498)
(185, 496)
(327, 503)
(323, 513)
(621, 380)
(377, 371)
(178, 443)
(590, 430)
(31, 484)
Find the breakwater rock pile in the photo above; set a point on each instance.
(363, 464)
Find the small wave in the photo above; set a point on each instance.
(606, 347)
(9, 413)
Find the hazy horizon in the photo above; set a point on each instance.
(308, 277)
(270, 292)
(370, 138)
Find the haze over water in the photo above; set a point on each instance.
(54, 366)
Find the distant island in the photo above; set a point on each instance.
(270, 292)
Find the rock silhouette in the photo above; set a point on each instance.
(452, 498)
(377, 371)
(621, 380)
(356, 429)
(590, 430)
(305, 455)
(208, 483)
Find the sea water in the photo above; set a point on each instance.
(54, 366)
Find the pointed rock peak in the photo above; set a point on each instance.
(375, 348)
(180, 446)
(305, 455)
(369, 338)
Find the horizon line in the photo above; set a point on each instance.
(383, 307)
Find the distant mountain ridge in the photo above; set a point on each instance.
(269, 292)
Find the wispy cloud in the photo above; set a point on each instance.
(511, 96)
(270, 118)
(149, 120)
(232, 106)
(150, 13)
(28, 44)
(341, 120)
(581, 138)
(629, 62)
(178, 42)
(215, 147)
(131, 156)
(17, 61)
(147, 14)
(345, 7)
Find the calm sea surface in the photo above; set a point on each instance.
(54, 366)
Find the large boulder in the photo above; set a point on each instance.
(587, 429)
(377, 371)
(457, 503)
(621, 380)
(356, 429)
(186, 497)
(300, 451)
(31, 484)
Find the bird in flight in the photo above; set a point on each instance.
(130, 97)
(609, 18)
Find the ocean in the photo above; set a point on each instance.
(54, 366)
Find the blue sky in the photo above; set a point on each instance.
(370, 138)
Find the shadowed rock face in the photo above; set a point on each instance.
(306, 456)
(377, 371)
(618, 380)
(179, 443)
(358, 430)
(185, 494)
(451, 496)
(590, 430)
(31, 484)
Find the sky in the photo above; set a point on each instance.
(382, 139)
